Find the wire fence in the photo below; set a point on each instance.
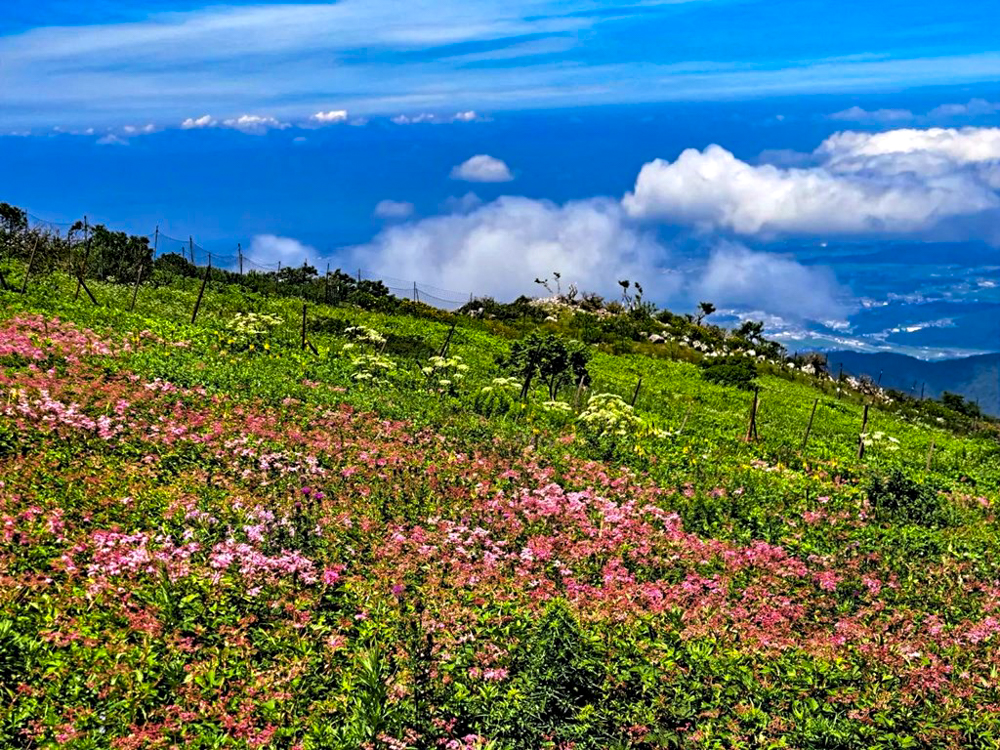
(163, 244)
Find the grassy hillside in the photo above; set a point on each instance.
(216, 538)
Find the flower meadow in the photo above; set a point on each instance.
(212, 539)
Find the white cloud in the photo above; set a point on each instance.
(482, 168)
(434, 118)
(270, 249)
(390, 209)
(973, 108)
(736, 276)
(857, 114)
(963, 146)
(500, 248)
(139, 130)
(898, 181)
(333, 116)
(255, 124)
(192, 123)
(111, 140)
(241, 58)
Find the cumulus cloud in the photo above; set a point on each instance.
(857, 114)
(269, 249)
(197, 123)
(899, 181)
(255, 124)
(482, 168)
(328, 118)
(390, 209)
(500, 248)
(736, 276)
(962, 146)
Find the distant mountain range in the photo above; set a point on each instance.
(977, 378)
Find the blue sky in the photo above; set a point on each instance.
(470, 144)
(118, 63)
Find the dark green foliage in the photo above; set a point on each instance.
(734, 372)
(488, 308)
(562, 676)
(896, 498)
(172, 265)
(114, 256)
(555, 360)
(13, 220)
(959, 404)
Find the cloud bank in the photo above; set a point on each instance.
(736, 276)
(896, 182)
(904, 182)
(500, 247)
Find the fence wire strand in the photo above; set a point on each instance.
(163, 244)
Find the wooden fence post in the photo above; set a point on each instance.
(303, 326)
(135, 289)
(83, 284)
(861, 437)
(447, 341)
(201, 292)
(635, 393)
(31, 261)
(86, 259)
(812, 415)
(752, 426)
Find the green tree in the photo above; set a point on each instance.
(704, 310)
(549, 357)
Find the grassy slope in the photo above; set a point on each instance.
(723, 489)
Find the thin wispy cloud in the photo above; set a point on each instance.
(972, 108)
(393, 210)
(373, 58)
(857, 114)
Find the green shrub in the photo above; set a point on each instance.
(498, 398)
(895, 497)
(733, 372)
